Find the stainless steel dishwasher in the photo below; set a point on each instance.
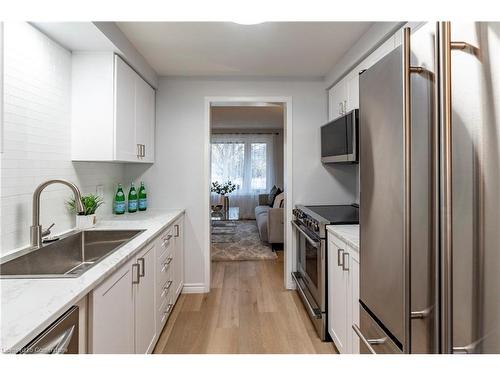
(60, 338)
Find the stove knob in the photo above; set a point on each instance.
(316, 227)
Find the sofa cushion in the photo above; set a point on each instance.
(261, 210)
(261, 219)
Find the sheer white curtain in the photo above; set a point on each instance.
(247, 160)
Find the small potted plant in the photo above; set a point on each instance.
(90, 203)
(223, 190)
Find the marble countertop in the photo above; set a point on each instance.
(28, 306)
(347, 233)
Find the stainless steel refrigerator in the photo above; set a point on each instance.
(429, 193)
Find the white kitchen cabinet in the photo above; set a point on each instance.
(125, 102)
(145, 327)
(112, 313)
(337, 99)
(352, 91)
(144, 118)
(123, 309)
(179, 257)
(343, 295)
(112, 110)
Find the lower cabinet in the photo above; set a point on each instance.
(343, 295)
(145, 328)
(129, 309)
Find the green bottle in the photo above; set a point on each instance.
(132, 199)
(143, 199)
(119, 204)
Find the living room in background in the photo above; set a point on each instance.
(246, 146)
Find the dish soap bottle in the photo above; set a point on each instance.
(132, 199)
(119, 204)
(143, 200)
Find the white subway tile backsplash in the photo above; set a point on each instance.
(37, 138)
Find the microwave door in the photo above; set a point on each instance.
(334, 141)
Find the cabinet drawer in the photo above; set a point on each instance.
(164, 267)
(165, 289)
(165, 241)
(164, 312)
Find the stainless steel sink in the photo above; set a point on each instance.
(69, 256)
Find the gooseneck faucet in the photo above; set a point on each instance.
(36, 228)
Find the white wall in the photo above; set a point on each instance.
(177, 177)
(37, 137)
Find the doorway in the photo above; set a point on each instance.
(248, 152)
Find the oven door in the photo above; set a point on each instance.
(311, 263)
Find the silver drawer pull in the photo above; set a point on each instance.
(166, 264)
(169, 308)
(339, 257)
(166, 288)
(345, 261)
(368, 342)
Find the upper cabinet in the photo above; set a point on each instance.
(113, 111)
(343, 97)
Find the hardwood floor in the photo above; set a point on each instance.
(247, 311)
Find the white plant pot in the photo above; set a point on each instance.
(85, 221)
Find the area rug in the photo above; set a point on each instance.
(245, 244)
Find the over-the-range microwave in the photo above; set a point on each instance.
(339, 139)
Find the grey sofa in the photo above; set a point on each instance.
(270, 220)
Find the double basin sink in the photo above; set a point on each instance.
(70, 256)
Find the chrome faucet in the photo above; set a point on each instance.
(36, 228)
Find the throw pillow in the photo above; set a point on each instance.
(276, 193)
(279, 200)
(272, 195)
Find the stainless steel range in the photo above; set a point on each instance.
(310, 223)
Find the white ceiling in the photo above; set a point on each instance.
(247, 117)
(286, 49)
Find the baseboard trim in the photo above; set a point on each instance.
(194, 288)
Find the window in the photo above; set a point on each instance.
(259, 166)
(228, 162)
(244, 159)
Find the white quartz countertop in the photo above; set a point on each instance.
(28, 306)
(346, 233)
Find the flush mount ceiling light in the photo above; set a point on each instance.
(248, 22)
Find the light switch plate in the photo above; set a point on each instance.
(99, 190)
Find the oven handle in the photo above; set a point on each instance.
(309, 239)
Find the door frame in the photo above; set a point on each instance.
(289, 248)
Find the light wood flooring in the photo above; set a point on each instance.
(247, 311)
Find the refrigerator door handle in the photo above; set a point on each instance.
(368, 342)
(408, 69)
(444, 95)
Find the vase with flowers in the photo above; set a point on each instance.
(223, 189)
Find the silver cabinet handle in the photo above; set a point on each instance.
(142, 269)
(166, 288)
(340, 108)
(345, 261)
(176, 227)
(135, 267)
(169, 308)
(345, 107)
(339, 257)
(368, 342)
(166, 264)
(138, 150)
(143, 150)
